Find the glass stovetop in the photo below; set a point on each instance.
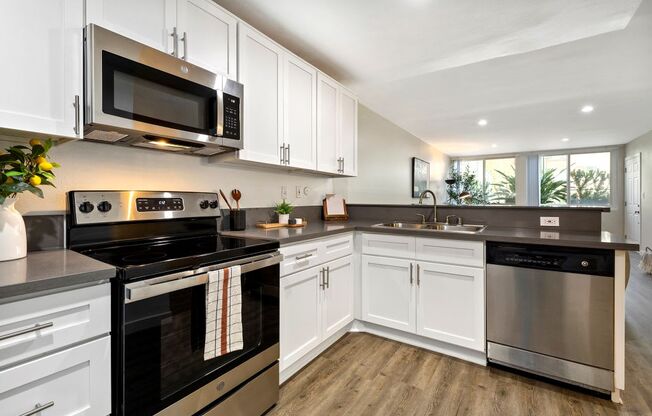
(150, 258)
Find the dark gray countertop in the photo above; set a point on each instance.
(317, 229)
(43, 272)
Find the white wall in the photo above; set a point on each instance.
(385, 153)
(86, 165)
(643, 145)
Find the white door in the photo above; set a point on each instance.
(41, 72)
(450, 304)
(207, 36)
(300, 127)
(301, 309)
(338, 295)
(348, 142)
(260, 70)
(633, 197)
(327, 124)
(388, 292)
(146, 21)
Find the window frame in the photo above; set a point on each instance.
(456, 163)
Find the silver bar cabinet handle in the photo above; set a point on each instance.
(411, 278)
(328, 277)
(175, 42)
(305, 256)
(184, 39)
(282, 154)
(322, 279)
(76, 105)
(342, 165)
(34, 328)
(418, 275)
(288, 159)
(38, 408)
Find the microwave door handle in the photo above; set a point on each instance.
(220, 114)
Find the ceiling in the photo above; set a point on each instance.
(436, 67)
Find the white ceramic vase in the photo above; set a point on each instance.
(13, 238)
(283, 218)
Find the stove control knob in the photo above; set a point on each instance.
(86, 207)
(104, 206)
(213, 204)
(584, 263)
(203, 204)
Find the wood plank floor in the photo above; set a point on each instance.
(366, 375)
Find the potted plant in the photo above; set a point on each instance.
(283, 209)
(22, 168)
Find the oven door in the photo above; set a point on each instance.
(142, 92)
(163, 336)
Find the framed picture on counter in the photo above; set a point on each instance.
(420, 176)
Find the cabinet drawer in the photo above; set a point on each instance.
(42, 324)
(388, 245)
(300, 257)
(337, 247)
(439, 250)
(76, 381)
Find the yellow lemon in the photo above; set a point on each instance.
(40, 160)
(35, 181)
(34, 142)
(45, 165)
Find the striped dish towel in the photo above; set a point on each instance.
(223, 313)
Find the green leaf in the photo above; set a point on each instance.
(14, 173)
(6, 158)
(47, 145)
(55, 165)
(20, 146)
(36, 191)
(2, 199)
(17, 153)
(38, 150)
(47, 175)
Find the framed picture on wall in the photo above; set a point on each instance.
(420, 176)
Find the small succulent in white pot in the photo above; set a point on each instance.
(283, 209)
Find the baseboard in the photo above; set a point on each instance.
(477, 357)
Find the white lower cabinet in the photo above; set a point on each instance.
(75, 381)
(440, 301)
(388, 292)
(315, 304)
(450, 304)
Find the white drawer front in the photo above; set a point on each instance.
(300, 257)
(439, 250)
(337, 247)
(76, 381)
(65, 318)
(388, 245)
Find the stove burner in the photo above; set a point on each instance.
(147, 257)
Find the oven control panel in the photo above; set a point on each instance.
(96, 207)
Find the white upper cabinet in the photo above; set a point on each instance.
(261, 72)
(198, 31)
(348, 139)
(299, 133)
(327, 125)
(146, 21)
(207, 36)
(41, 76)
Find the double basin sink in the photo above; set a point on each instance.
(436, 226)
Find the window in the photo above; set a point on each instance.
(488, 181)
(581, 179)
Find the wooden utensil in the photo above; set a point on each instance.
(236, 194)
(226, 200)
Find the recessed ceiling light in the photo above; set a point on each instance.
(565, 139)
(494, 145)
(587, 109)
(482, 122)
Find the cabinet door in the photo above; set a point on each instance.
(300, 113)
(42, 71)
(388, 292)
(207, 36)
(327, 125)
(450, 304)
(348, 138)
(301, 314)
(338, 296)
(146, 21)
(260, 70)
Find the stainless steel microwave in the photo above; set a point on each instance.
(139, 96)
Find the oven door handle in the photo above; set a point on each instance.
(167, 284)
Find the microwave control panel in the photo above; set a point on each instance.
(231, 128)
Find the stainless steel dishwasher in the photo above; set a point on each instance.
(550, 311)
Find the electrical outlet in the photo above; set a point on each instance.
(549, 221)
(284, 192)
(299, 192)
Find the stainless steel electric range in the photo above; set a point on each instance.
(164, 245)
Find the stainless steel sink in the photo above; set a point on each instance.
(437, 226)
